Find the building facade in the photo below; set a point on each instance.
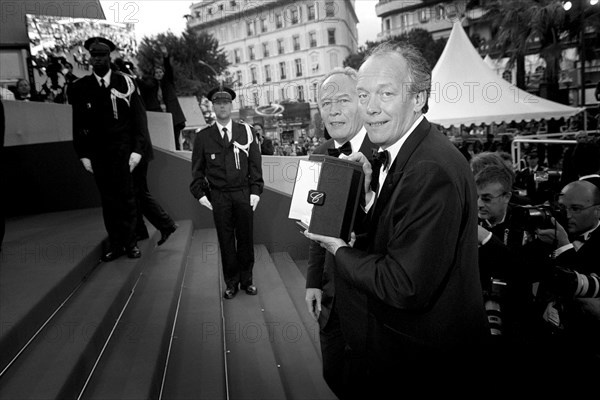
(278, 50)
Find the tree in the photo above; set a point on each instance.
(420, 38)
(191, 78)
(521, 27)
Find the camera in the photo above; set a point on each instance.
(536, 217)
(493, 308)
(568, 283)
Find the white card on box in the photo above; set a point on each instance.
(307, 178)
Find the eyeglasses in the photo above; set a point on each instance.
(486, 198)
(574, 210)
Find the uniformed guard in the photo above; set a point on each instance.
(227, 179)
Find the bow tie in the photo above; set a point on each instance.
(381, 158)
(346, 148)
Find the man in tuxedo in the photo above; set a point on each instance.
(227, 179)
(418, 268)
(338, 104)
(108, 134)
(572, 302)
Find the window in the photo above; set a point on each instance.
(210, 11)
(311, 13)
(388, 24)
(253, 74)
(280, 46)
(294, 16)
(331, 35)
(282, 93)
(424, 15)
(263, 25)
(268, 92)
(279, 21)
(314, 62)
(333, 60)
(256, 99)
(404, 22)
(315, 90)
(238, 56)
(312, 39)
(250, 28)
(330, 9)
(441, 13)
(232, 3)
(267, 73)
(266, 50)
(300, 92)
(282, 70)
(220, 7)
(296, 42)
(251, 54)
(238, 75)
(298, 63)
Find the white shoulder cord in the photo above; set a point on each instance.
(114, 93)
(245, 148)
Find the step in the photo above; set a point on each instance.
(57, 363)
(295, 282)
(196, 366)
(44, 258)
(133, 362)
(299, 361)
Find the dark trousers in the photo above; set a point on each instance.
(233, 219)
(147, 206)
(119, 207)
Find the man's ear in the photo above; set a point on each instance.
(420, 101)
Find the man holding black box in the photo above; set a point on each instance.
(338, 103)
(418, 267)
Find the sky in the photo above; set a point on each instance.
(155, 16)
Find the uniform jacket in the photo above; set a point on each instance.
(214, 164)
(95, 128)
(320, 262)
(420, 270)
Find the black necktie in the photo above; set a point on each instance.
(380, 159)
(346, 149)
(225, 137)
(102, 83)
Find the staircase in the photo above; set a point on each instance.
(152, 328)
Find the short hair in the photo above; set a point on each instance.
(419, 70)
(495, 174)
(348, 71)
(487, 158)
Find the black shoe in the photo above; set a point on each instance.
(165, 233)
(134, 252)
(250, 289)
(230, 292)
(112, 255)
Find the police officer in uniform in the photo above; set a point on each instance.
(227, 179)
(108, 122)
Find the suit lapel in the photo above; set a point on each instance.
(397, 168)
(367, 148)
(215, 134)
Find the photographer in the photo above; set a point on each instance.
(509, 259)
(570, 295)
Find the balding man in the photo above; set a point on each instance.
(573, 305)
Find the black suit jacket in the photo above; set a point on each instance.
(95, 128)
(419, 270)
(321, 263)
(214, 164)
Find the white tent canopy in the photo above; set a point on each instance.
(465, 90)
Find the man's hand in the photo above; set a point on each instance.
(367, 169)
(134, 160)
(331, 244)
(559, 234)
(551, 315)
(204, 201)
(313, 301)
(254, 199)
(87, 164)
